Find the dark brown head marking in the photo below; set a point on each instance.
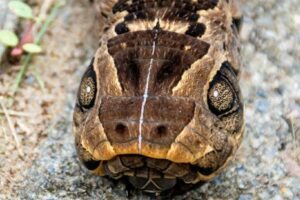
(169, 62)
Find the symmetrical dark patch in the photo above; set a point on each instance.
(180, 10)
(174, 54)
(120, 117)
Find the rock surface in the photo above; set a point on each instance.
(267, 165)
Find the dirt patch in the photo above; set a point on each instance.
(68, 46)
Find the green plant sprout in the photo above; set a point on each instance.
(10, 39)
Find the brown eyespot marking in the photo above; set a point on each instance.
(87, 90)
(221, 95)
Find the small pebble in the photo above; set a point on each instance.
(262, 106)
(245, 197)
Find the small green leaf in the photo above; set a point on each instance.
(8, 38)
(21, 9)
(32, 48)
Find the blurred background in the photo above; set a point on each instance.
(46, 45)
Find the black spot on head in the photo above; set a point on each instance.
(196, 30)
(121, 28)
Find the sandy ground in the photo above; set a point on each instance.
(267, 165)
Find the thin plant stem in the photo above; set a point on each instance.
(39, 79)
(26, 61)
